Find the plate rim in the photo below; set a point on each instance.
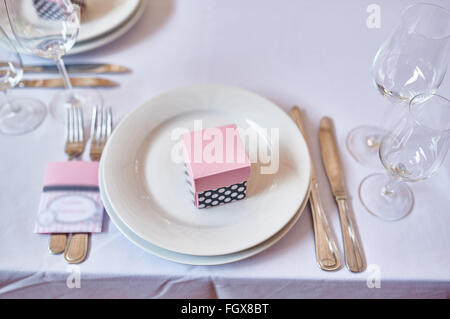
(218, 87)
(115, 25)
(201, 260)
(111, 35)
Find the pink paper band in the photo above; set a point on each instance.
(72, 173)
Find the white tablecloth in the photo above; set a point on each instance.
(317, 54)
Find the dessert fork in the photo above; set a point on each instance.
(74, 147)
(101, 127)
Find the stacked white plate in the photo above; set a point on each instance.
(144, 192)
(104, 21)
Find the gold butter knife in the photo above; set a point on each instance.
(327, 253)
(59, 83)
(77, 68)
(354, 258)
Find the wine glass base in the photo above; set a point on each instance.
(388, 207)
(87, 99)
(363, 144)
(21, 116)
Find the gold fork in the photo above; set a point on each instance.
(101, 127)
(74, 147)
(100, 131)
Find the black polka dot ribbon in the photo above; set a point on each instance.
(222, 195)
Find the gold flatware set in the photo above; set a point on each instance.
(327, 254)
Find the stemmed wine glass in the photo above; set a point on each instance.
(49, 29)
(17, 115)
(412, 151)
(413, 60)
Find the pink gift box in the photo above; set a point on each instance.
(217, 166)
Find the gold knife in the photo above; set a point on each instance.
(327, 253)
(59, 83)
(354, 258)
(77, 68)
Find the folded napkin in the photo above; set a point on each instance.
(70, 200)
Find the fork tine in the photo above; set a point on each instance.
(104, 123)
(103, 128)
(109, 123)
(93, 122)
(99, 125)
(76, 124)
(71, 131)
(80, 124)
(67, 129)
(94, 134)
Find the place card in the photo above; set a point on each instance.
(70, 199)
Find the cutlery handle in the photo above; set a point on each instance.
(353, 252)
(77, 248)
(57, 243)
(327, 254)
(59, 83)
(94, 68)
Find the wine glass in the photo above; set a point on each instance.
(17, 115)
(412, 151)
(49, 29)
(413, 60)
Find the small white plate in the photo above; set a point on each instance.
(192, 259)
(102, 16)
(83, 46)
(110, 23)
(147, 191)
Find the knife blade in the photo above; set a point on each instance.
(327, 253)
(59, 83)
(95, 68)
(330, 156)
(354, 258)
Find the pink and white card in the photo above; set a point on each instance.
(70, 200)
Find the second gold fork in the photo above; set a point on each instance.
(74, 147)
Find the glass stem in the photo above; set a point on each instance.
(71, 99)
(392, 112)
(390, 187)
(8, 105)
(373, 141)
(64, 74)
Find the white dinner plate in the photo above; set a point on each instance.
(192, 259)
(102, 16)
(146, 188)
(93, 43)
